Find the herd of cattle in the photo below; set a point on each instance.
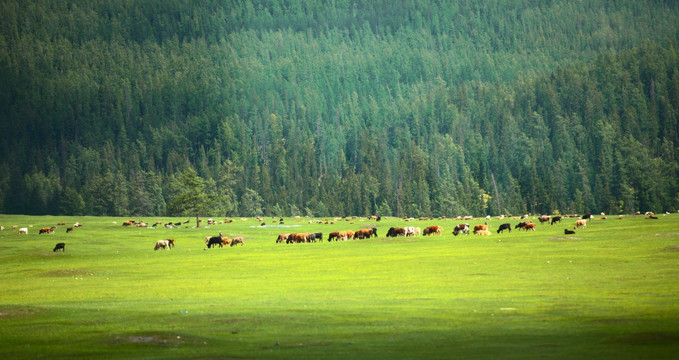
(366, 233)
(479, 229)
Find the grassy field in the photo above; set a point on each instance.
(610, 291)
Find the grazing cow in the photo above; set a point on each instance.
(520, 225)
(586, 216)
(580, 223)
(282, 238)
(297, 238)
(544, 219)
(363, 233)
(302, 237)
(214, 240)
(345, 235)
(529, 226)
(318, 237)
(77, 224)
(431, 230)
(394, 232)
(555, 219)
(504, 227)
(60, 246)
(69, 229)
(484, 232)
(479, 227)
(165, 244)
(568, 232)
(464, 228)
(23, 230)
(410, 231)
(333, 235)
(225, 240)
(128, 223)
(238, 240)
(44, 231)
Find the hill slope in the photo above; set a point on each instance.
(415, 108)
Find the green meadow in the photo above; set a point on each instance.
(610, 291)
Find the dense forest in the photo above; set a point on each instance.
(320, 108)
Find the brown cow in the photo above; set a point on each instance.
(484, 232)
(238, 240)
(333, 235)
(479, 227)
(363, 233)
(282, 238)
(297, 238)
(529, 226)
(45, 231)
(431, 230)
(544, 219)
(345, 235)
(303, 237)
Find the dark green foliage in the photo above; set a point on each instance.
(416, 108)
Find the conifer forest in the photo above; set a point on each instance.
(337, 108)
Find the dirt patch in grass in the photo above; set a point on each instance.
(12, 313)
(69, 273)
(565, 238)
(672, 248)
(301, 345)
(162, 339)
(649, 338)
(667, 234)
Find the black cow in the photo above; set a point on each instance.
(568, 232)
(504, 227)
(587, 216)
(394, 232)
(316, 237)
(375, 231)
(59, 246)
(555, 219)
(215, 240)
(520, 225)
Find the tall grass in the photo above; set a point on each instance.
(609, 291)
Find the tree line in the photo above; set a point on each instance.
(412, 108)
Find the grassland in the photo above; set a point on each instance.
(608, 292)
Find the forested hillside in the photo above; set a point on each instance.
(305, 107)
